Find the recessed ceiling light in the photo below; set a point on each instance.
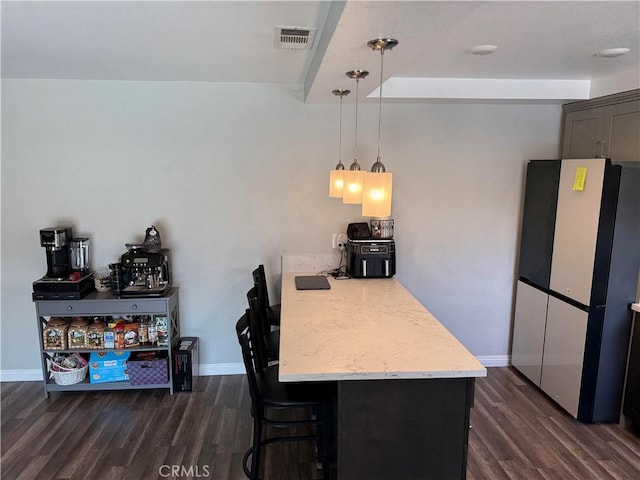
(482, 49)
(611, 52)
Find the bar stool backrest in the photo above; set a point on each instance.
(248, 356)
(257, 330)
(260, 284)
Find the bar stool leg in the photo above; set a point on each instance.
(254, 451)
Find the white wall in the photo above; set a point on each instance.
(235, 175)
(617, 82)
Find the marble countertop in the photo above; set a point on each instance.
(365, 329)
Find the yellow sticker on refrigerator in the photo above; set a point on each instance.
(580, 179)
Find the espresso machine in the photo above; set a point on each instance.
(145, 272)
(67, 276)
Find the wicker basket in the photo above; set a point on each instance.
(68, 376)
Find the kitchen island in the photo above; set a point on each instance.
(405, 383)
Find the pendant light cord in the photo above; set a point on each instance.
(380, 103)
(340, 143)
(355, 148)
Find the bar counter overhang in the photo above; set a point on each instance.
(405, 383)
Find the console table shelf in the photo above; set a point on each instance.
(105, 304)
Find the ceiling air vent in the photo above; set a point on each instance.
(300, 38)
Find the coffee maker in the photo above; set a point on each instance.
(67, 276)
(56, 242)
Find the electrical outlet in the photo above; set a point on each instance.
(341, 241)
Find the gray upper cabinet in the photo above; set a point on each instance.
(622, 122)
(582, 134)
(606, 127)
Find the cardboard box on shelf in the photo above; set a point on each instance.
(108, 366)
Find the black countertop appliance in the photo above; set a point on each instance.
(145, 272)
(59, 283)
(369, 257)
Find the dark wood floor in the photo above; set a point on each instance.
(517, 433)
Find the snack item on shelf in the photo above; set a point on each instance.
(131, 335)
(119, 335)
(115, 321)
(162, 328)
(95, 335)
(109, 338)
(152, 332)
(143, 331)
(77, 333)
(54, 335)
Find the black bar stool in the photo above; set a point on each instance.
(267, 341)
(271, 312)
(268, 395)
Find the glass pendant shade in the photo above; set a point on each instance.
(352, 190)
(376, 194)
(336, 183)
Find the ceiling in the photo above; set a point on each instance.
(216, 41)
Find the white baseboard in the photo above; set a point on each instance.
(24, 375)
(210, 369)
(495, 360)
(35, 374)
(221, 369)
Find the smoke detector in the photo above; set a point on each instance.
(298, 38)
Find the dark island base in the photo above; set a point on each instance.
(404, 429)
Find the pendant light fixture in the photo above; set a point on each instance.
(336, 177)
(352, 191)
(377, 184)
